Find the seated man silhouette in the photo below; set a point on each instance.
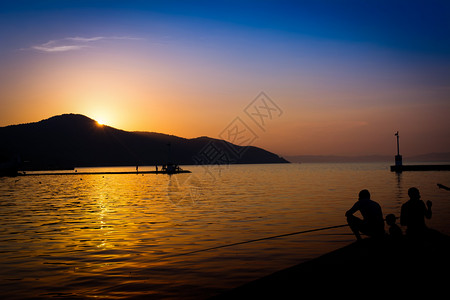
(414, 212)
(372, 223)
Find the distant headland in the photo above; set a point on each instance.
(74, 140)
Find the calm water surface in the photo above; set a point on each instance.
(118, 236)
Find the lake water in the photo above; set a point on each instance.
(121, 236)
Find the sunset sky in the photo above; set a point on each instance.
(345, 75)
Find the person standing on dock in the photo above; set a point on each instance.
(414, 212)
(372, 223)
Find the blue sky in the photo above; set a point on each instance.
(412, 26)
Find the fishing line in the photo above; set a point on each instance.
(258, 240)
(255, 240)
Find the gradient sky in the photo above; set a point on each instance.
(345, 74)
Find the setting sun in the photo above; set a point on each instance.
(101, 119)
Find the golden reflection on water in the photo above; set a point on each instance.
(118, 235)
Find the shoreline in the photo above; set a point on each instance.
(370, 267)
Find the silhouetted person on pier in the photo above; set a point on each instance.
(414, 212)
(372, 223)
(395, 231)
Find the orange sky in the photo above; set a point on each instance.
(340, 92)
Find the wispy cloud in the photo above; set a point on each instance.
(75, 43)
(54, 47)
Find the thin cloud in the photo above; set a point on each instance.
(85, 40)
(75, 43)
(58, 48)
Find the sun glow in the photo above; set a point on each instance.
(101, 119)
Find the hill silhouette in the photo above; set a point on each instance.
(73, 140)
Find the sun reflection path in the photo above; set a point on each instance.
(101, 220)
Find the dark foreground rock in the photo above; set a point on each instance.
(370, 268)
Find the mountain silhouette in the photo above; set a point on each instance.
(73, 140)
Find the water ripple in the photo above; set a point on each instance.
(118, 236)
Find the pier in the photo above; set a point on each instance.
(100, 173)
(399, 167)
(420, 168)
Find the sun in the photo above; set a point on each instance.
(101, 121)
(102, 118)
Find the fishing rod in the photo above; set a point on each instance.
(255, 240)
(441, 186)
